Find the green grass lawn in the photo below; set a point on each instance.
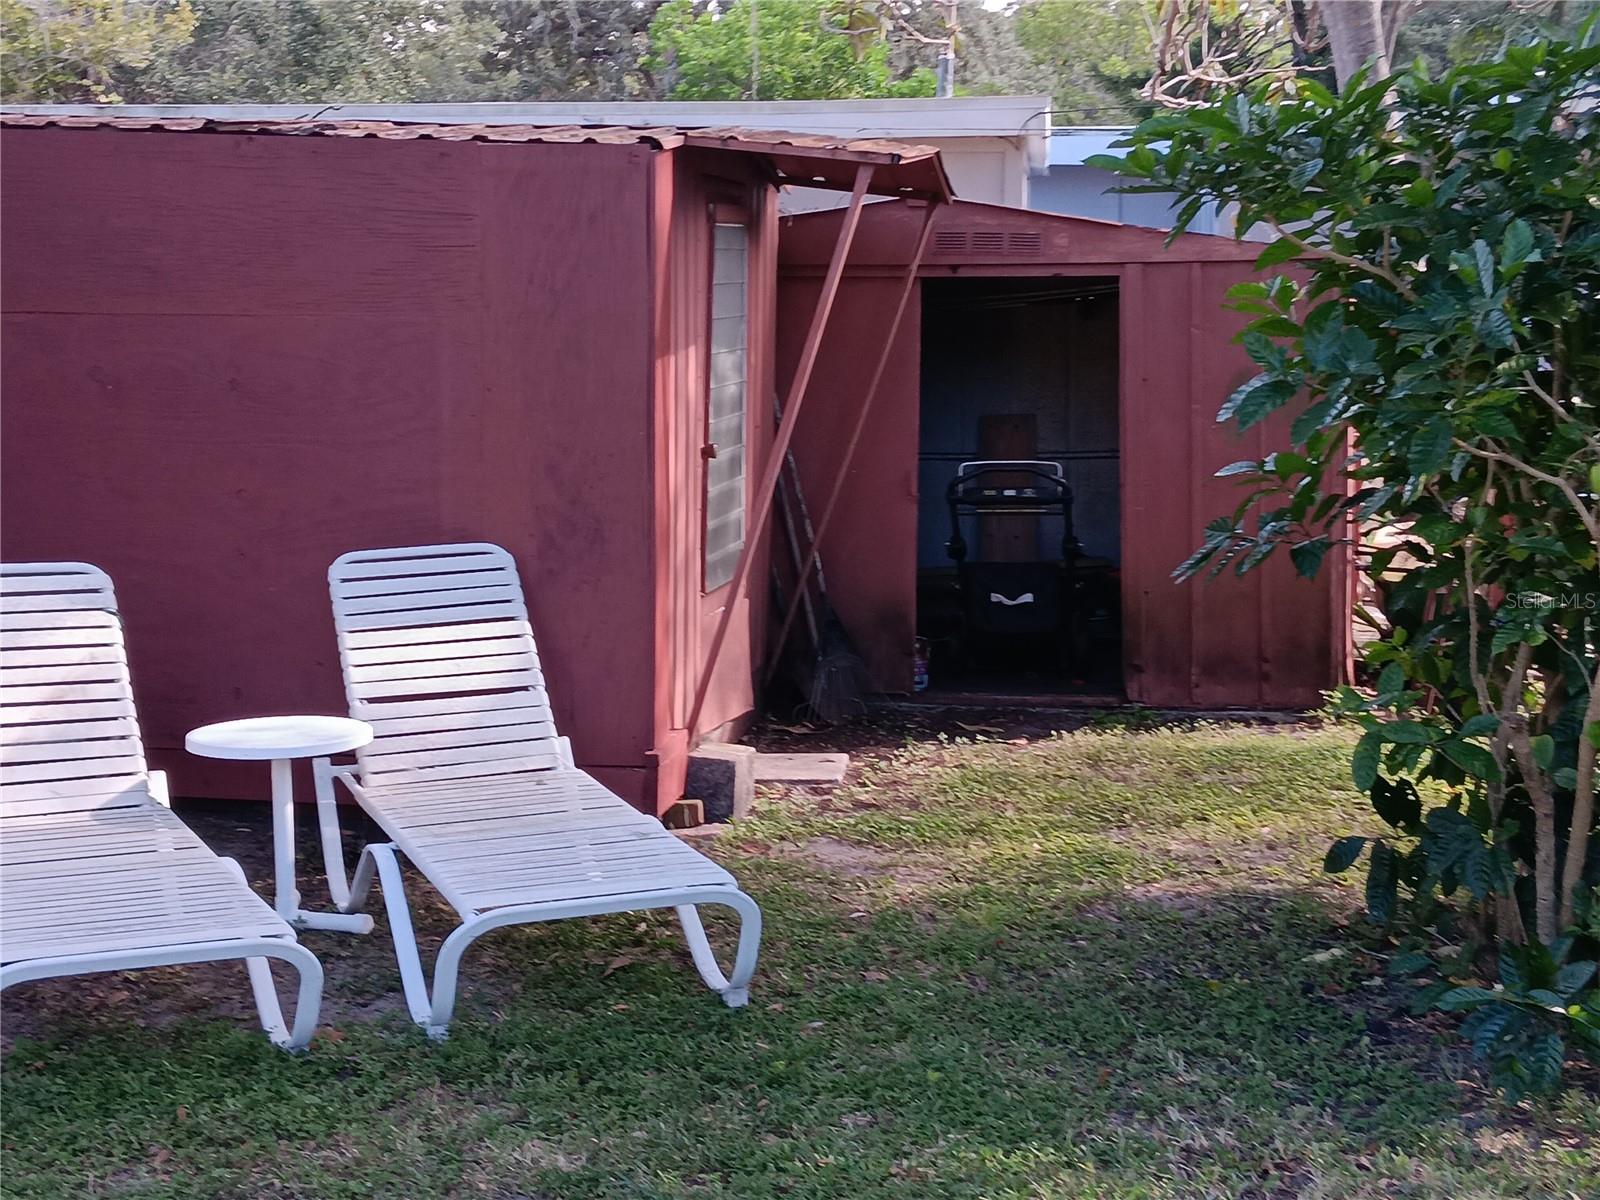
(1098, 964)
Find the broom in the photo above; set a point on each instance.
(834, 678)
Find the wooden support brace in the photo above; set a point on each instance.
(855, 436)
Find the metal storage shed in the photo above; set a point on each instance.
(234, 350)
(1143, 358)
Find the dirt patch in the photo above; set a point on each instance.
(887, 730)
(860, 862)
(889, 726)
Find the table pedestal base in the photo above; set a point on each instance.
(337, 922)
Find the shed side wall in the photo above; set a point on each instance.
(1268, 639)
(228, 359)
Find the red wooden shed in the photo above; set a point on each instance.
(1086, 343)
(234, 350)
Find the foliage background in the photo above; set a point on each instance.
(1092, 56)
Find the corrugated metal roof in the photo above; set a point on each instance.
(802, 158)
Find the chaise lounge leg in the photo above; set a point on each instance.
(446, 973)
(734, 990)
(255, 953)
(380, 857)
(308, 1001)
(328, 828)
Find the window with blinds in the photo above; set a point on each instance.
(726, 405)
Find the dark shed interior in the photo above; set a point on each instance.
(1022, 369)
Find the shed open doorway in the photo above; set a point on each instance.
(1018, 564)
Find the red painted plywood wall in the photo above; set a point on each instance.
(1267, 639)
(227, 359)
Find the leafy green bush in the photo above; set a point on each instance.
(1432, 358)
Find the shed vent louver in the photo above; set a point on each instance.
(992, 243)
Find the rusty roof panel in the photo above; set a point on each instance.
(802, 158)
(392, 130)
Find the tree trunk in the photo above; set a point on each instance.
(1362, 32)
(1582, 808)
(1546, 910)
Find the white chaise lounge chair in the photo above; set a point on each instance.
(96, 873)
(470, 781)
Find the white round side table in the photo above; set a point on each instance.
(281, 740)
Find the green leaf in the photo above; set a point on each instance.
(1511, 974)
(1517, 243)
(1308, 422)
(1342, 854)
(1255, 400)
(1544, 1060)
(1494, 328)
(1485, 262)
(1304, 173)
(1418, 193)
(1275, 326)
(1114, 163)
(1280, 251)
(1411, 733)
(1473, 759)
(1499, 424)
(1382, 883)
(1571, 978)
(1478, 726)
(1307, 556)
(1544, 750)
(1364, 761)
(1462, 998)
(1430, 446)
(1391, 681)
(1487, 1024)
(1245, 466)
(1405, 965)
(1397, 802)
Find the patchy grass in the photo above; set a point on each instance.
(1093, 964)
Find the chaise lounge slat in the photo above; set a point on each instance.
(96, 873)
(470, 781)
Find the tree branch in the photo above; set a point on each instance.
(1347, 260)
(1582, 826)
(1544, 825)
(1590, 522)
